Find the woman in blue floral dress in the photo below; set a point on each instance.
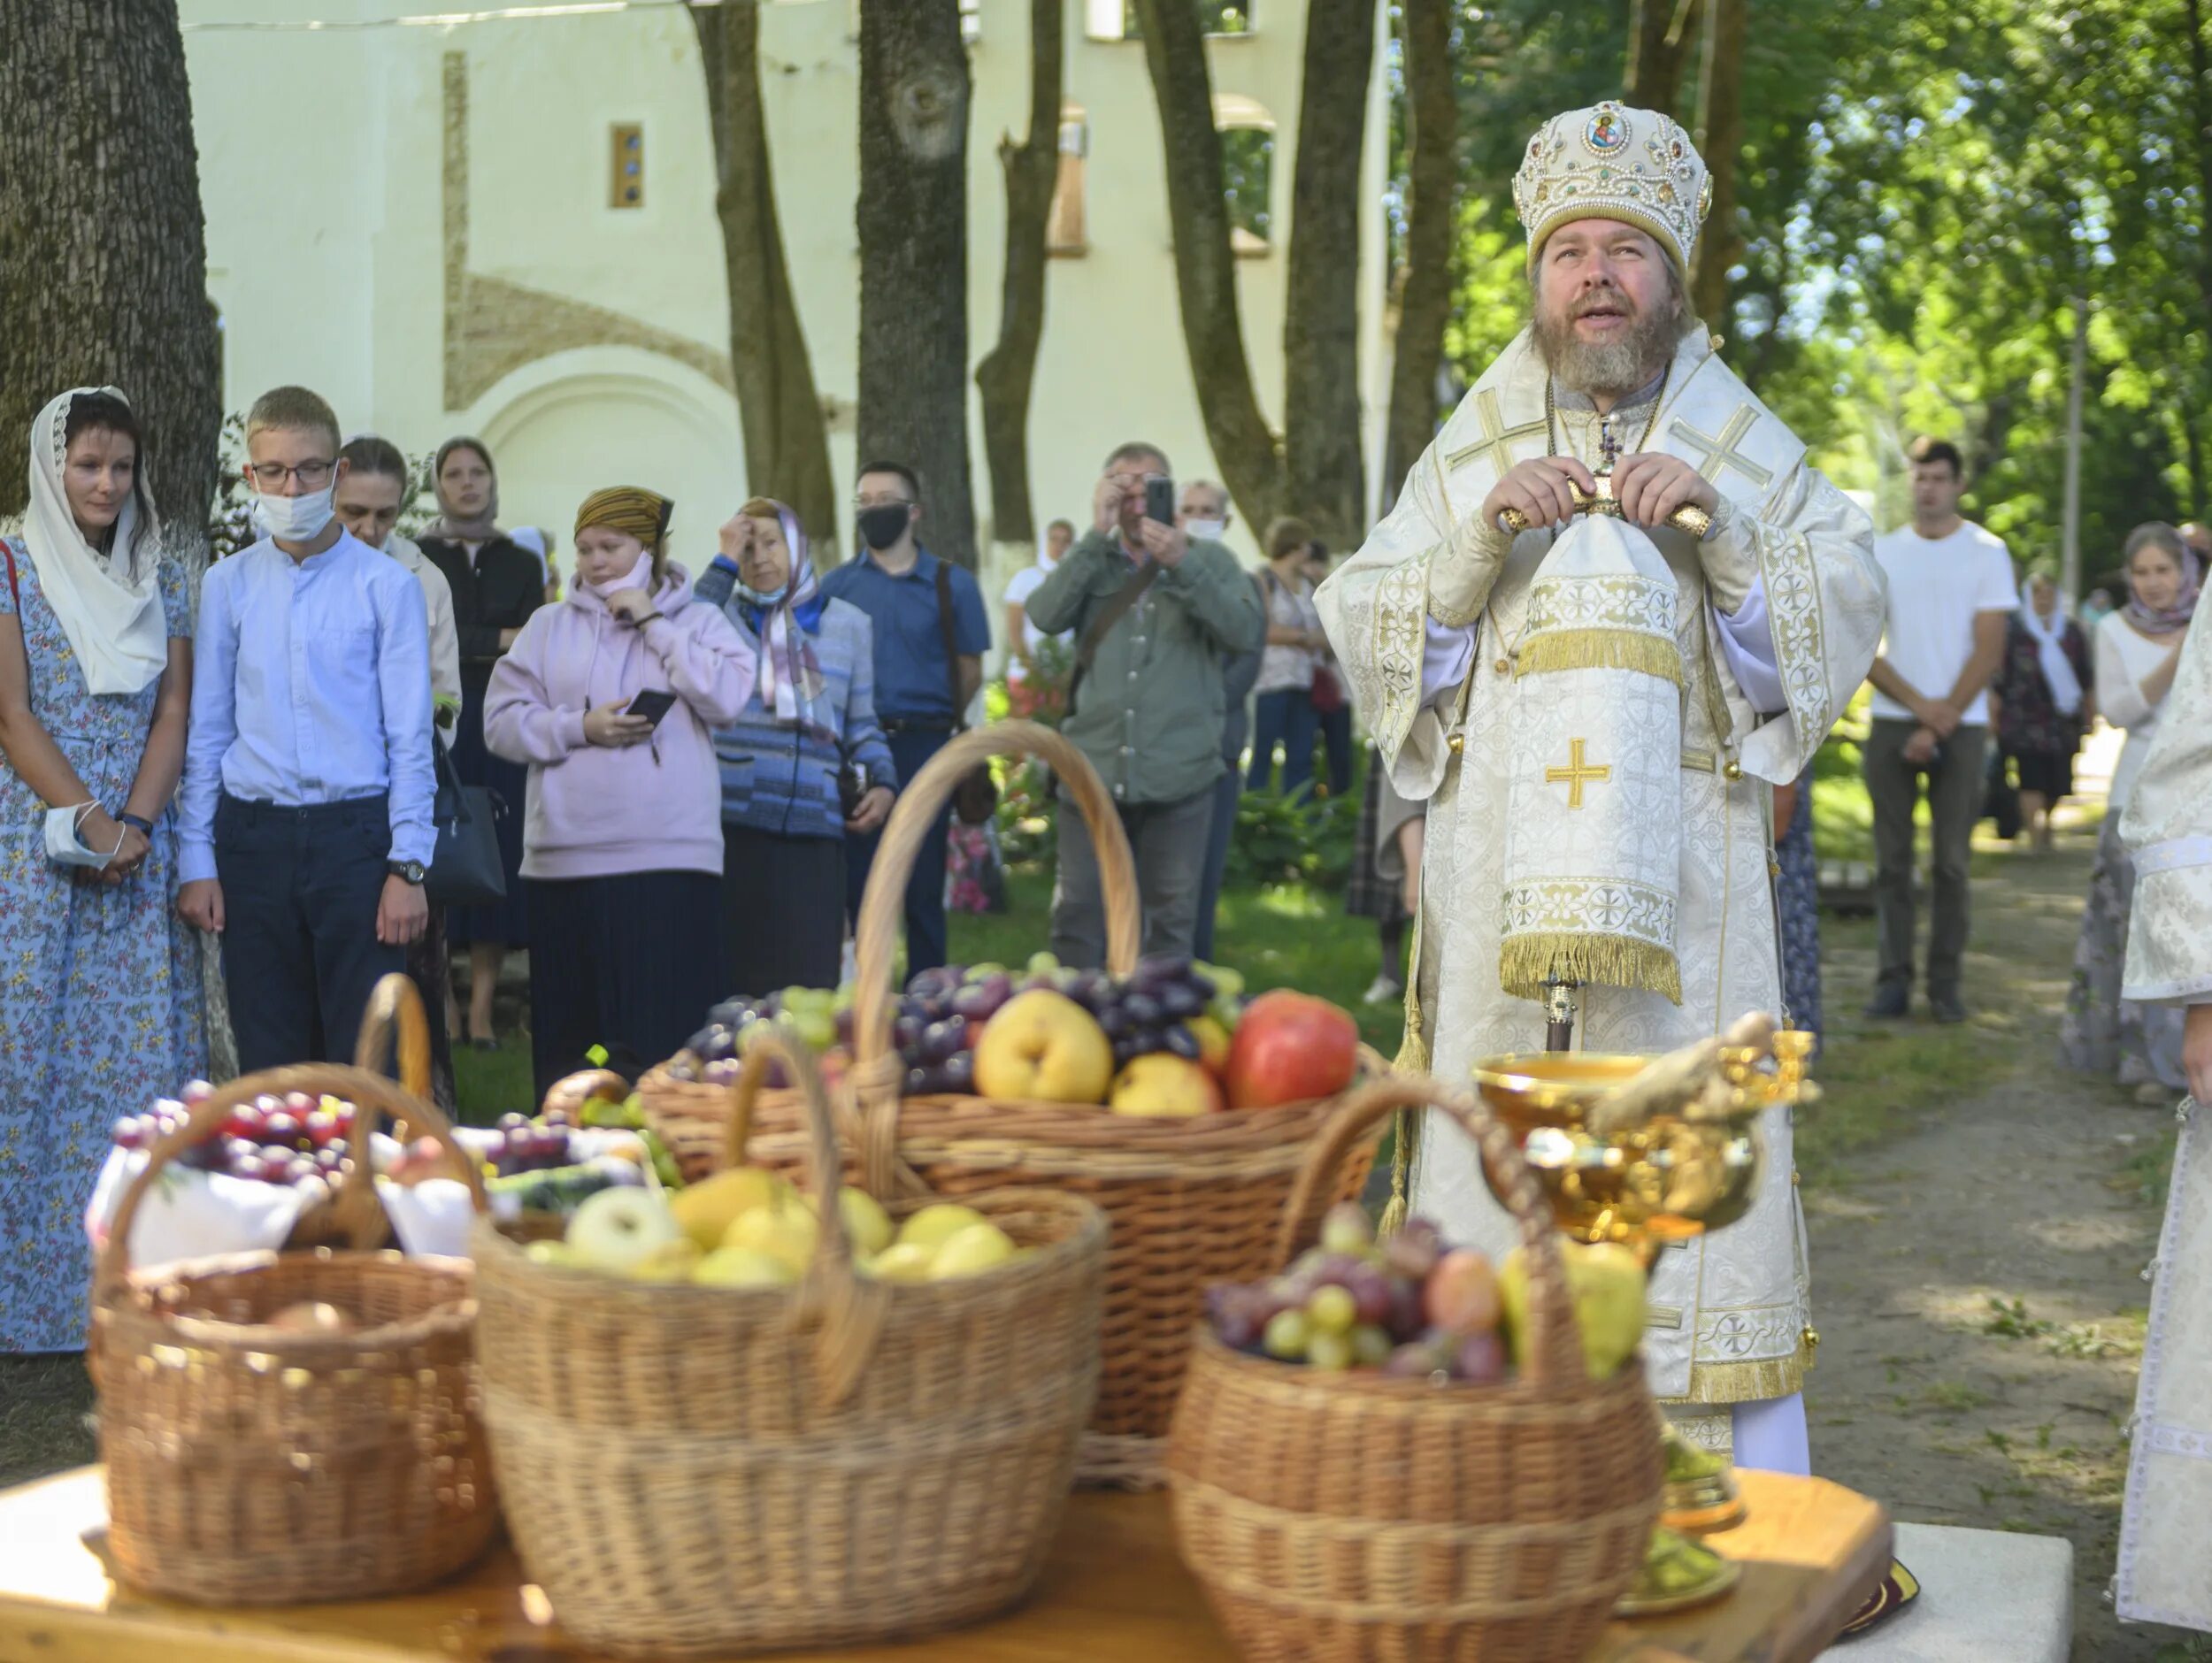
(100, 1008)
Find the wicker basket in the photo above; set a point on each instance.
(249, 1464)
(695, 1470)
(1355, 1518)
(1191, 1202)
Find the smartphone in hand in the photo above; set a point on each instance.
(1159, 500)
(652, 704)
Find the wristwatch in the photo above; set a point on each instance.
(407, 872)
(137, 822)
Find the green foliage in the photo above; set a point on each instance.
(1280, 841)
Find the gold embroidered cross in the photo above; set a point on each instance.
(1496, 442)
(1577, 773)
(1722, 452)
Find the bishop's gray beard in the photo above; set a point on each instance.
(1607, 369)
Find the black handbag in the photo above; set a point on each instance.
(466, 869)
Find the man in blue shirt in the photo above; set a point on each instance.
(305, 818)
(909, 595)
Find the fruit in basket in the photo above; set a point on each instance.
(708, 1208)
(1164, 1086)
(673, 1263)
(1044, 1046)
(867, 1226)
(787, 1233)
(1290, 1048)
(1460, 1295)
(616, 1231)
(901, 1261)
(978, 1247)
(553, 1252)
(312, 1316)
(1606, 1282)
(742, 1268)
(1213, 1042)
(936, 1224)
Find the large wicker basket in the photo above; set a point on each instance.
(1356, 1518)
(1191, 1202)
(251, 1464)
(695, 1470)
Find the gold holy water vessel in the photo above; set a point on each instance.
(1665, 1178)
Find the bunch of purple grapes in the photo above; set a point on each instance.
(525, 1146)
(1152, 1010)
(296, 1139)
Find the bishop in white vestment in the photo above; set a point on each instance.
(1776, 609)
(2165, 1571)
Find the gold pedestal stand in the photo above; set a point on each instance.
(1667, 1177)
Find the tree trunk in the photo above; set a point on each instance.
(1205, 271)
(103, 256)
(913, 224)
(787, 443)
(1424, 303)
(2200, 109)
(1006, 376)
(1719, 138)
(1658, 46)
(1324, 476)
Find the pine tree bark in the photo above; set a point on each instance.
(1425, 301)
(1007, 375)
(786, 441)
(1205, 271)
(103, 247)
(1324, 475)
(913, 223)
(1658, 47)
(1719, 138)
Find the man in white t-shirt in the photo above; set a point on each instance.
(1951, 590)
(1023, 637)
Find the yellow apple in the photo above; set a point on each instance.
(977, 1247)
(616, 1229)
(1165, 1086)
(901, 1261)
(789, 1235)
(937, 1224)
(1045, 1047)
(742, 1268)
(708, 1208)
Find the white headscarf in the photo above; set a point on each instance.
(114, 621)
(2050, 653)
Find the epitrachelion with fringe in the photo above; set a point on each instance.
(1594, 832)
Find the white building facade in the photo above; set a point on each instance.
(507, 227)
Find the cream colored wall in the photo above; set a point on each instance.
(337, 277)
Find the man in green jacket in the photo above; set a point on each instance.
(1153, 611)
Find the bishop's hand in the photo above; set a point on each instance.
(1651, 485)
(1540, 490)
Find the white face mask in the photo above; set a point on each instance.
(63, 845)
(1212, 531)
(640, 576)
(295, 519)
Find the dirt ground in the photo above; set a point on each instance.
(1977, 1257)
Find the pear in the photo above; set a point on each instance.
(903, 1261)
(938, 1222)
(978, 1247)
(708, 1208)
(675, 1263)
(788, 1234)
(741, 1267)
(1607, 1284)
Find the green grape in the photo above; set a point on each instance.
(1330, 1351)
(1370, 1346)
(1227, 983)
(1042, 964)
(1332, 1310)
(1286, 1336)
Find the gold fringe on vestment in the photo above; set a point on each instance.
(1527, 963)
(1600, 650)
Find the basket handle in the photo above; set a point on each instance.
(877, 1077)
(394, 1019)
(371, 1093)
(852, 1307)
(1555, 1355)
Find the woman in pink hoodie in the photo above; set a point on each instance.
(622, 846)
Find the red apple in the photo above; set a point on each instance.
(1289, 1048)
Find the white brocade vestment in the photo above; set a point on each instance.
(1728, 1315)
(2165, 1572)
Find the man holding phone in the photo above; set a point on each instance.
(1154, 610)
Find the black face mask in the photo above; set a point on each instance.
(881, 527)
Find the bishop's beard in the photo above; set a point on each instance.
(1608, 369)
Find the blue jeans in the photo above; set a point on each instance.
(926, 885)
(1287, 715)
(1224, 825)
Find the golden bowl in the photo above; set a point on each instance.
(1667, 1179)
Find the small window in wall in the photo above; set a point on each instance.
(1248, 172)
(625, 164)
(1064, 231)
(1116, 20)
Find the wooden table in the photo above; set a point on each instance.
(1811, 1551)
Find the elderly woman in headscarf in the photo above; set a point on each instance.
(2138, 650)
(610, 698)
(496, 585)
(100, 1012)
(802, 763)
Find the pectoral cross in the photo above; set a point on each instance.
(1577, 773)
